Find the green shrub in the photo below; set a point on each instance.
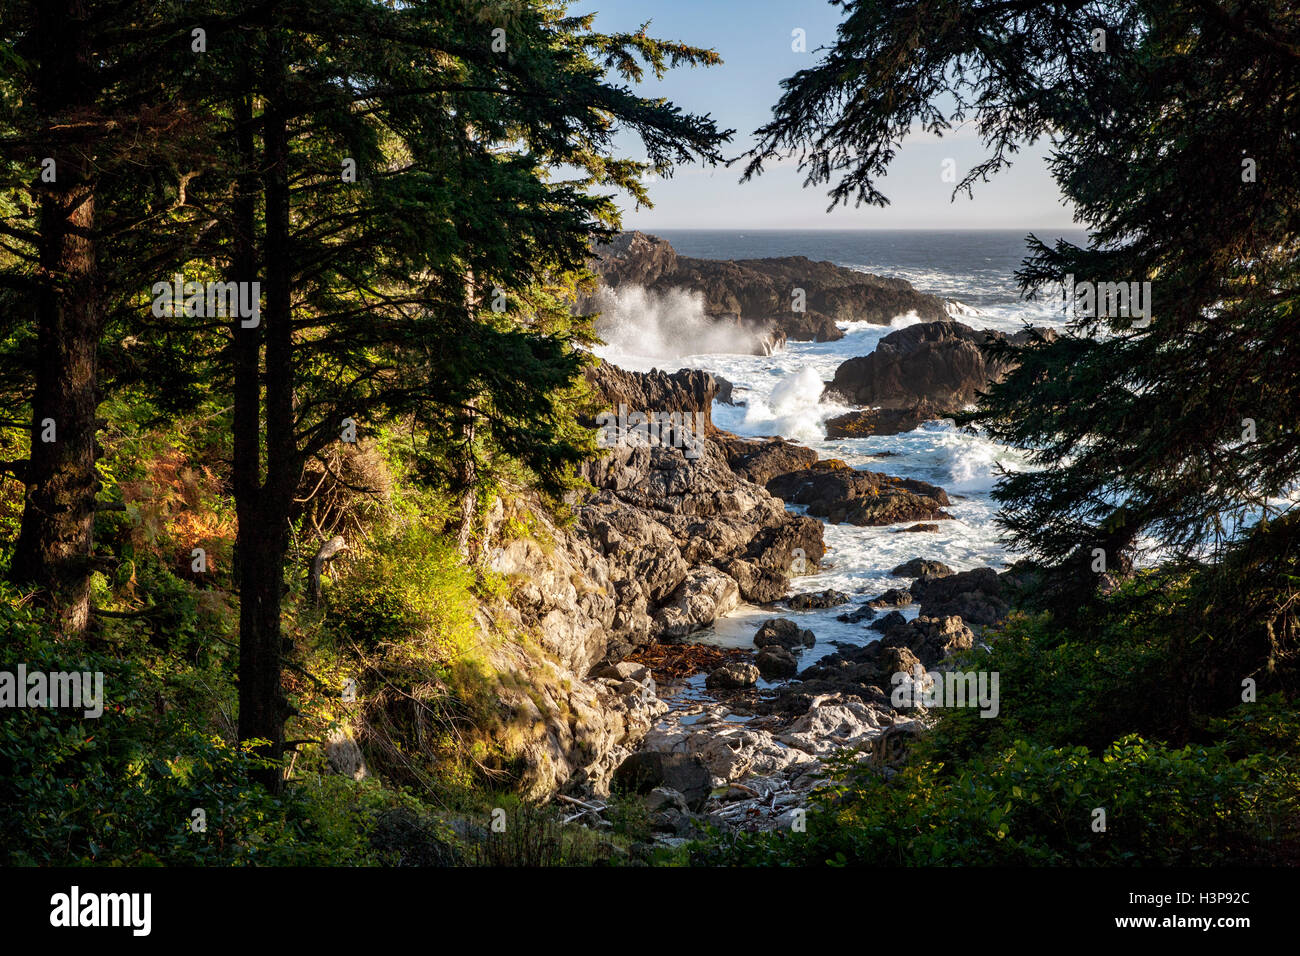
(1033, 805)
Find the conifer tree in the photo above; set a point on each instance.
(1170, 125)
(411, 187)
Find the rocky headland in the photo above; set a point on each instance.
(759, 296)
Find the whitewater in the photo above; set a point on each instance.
(782, 395)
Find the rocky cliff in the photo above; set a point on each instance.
(921, 372)
(662, 545)
(760, 293)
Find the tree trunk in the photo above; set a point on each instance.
(265, 510)
(467, 477)
(55, 539)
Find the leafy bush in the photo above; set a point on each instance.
(1037, 805)
(407, 585)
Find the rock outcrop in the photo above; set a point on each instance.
(832, 490)
(760, 293)
(663, 544)
(923, 371)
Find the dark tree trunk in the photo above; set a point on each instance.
(264, 506)
(55, 540)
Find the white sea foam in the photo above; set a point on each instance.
(782, 395)
(642, 329)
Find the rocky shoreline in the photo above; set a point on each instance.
(684, 522)
(663, 546)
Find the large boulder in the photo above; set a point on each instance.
(975, 596)
(832, 490)
(704, 596)
(647, 770)
(775, 661)
(733, 675)
(784, 632)
(927, 370)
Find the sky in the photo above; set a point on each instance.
(754, 38)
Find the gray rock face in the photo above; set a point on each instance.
(775, 662)
(733, 676)
(931, 369)
(832, 490)
(647, 770)
(760, 292)
(784, 632)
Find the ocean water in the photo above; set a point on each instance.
(782, 396)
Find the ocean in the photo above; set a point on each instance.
(782, 396)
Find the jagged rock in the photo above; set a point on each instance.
(686, 390)
(894, 597)
(775, 661)
(759, 293)
(916, 528)
(931, 639)
(658, 516)
(840, 494)
(757, 584)
(921, 568)
(975, 596)
(784, 633)
(647, 770)
(930, 369)
(898, 660)
(570, 733)
(760, 460)
(859, 614)
(817, 599)
(887, 623)
(834, 722)
(733, 675)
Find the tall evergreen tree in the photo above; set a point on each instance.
(89, 136)
(407, 184)
(1173, 126)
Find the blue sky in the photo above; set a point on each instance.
(754, 40)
